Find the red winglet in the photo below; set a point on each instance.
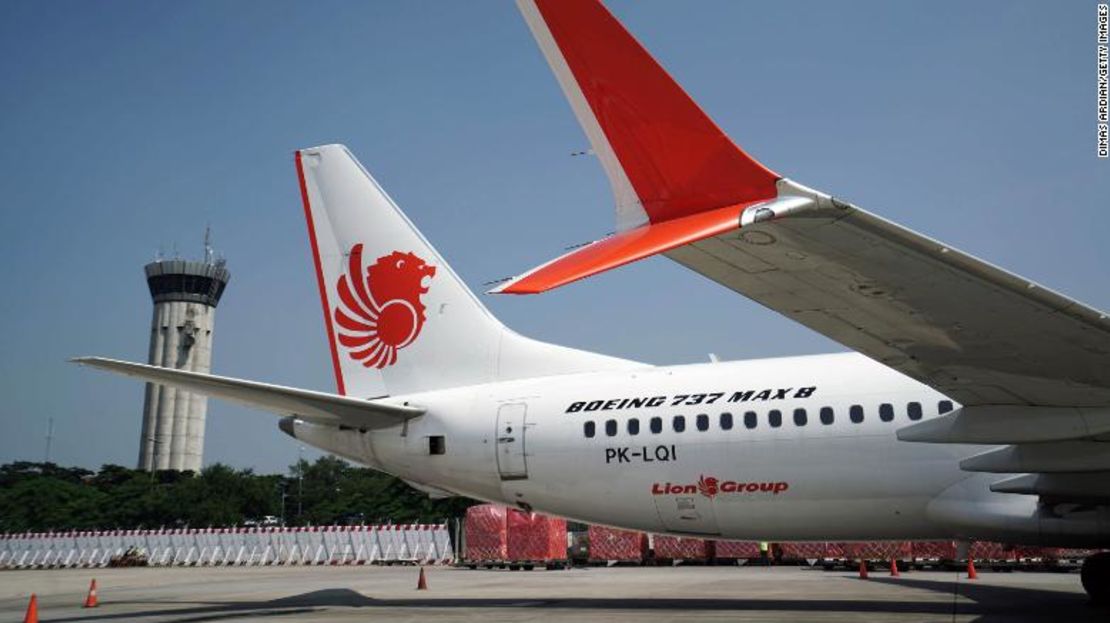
(677, 160)
(626, 247)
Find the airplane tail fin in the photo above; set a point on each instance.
(398, 319)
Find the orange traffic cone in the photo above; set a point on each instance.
(894, 568)
(862, 569)
(422, 582)
(32, 615)
(90, 599)
(971, 575)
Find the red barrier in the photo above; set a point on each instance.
(486, 533)
(1028, 552)
(671, 547)
(619, 545)
(933, 550)
(535, 537)
(804, 550)
(835, 551)
(877, 550)
(987, 550)
(736, 549)
(1067, 553)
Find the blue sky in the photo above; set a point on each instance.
(129, 125)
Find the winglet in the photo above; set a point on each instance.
(676, 177)
(665, 158)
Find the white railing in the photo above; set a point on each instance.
(315, 545)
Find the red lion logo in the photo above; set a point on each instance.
(707, 486)
(381, 313)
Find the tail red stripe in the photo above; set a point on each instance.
(340, 386)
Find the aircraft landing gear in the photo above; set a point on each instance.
(1095, 577)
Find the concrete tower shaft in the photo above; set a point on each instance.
(185, 295)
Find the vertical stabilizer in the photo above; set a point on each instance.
(398, 319)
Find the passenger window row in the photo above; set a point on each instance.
(826, 415)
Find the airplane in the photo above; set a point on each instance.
(975, 404)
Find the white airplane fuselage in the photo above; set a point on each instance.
(525, 443)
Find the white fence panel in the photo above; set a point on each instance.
(314, 545)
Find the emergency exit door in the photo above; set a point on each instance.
(511, 457)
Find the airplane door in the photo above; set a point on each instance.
(511, 461)
(690, 512)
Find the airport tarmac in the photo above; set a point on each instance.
(687, 594)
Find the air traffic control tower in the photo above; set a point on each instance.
(185, 296)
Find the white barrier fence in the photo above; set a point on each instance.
(317, 545)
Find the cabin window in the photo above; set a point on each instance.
(634, 426)
(726, 421)
(750, 419)
(437, 444)
(774, 418)
(913, 410)
(589, 429)
(679, 423)
(855, 413)
(703, 422)
(656, 425)
(611, 428)
(800, 417)
(827, 415)
(886, 412)
(944, 406)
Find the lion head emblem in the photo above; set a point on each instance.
(707, 486)
(379, 309)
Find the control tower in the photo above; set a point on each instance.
(185, 296)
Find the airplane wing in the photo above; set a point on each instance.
(307, 405)
(971, 330)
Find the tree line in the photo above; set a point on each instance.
(39, 497)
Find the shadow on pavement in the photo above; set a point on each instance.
(1007, 603)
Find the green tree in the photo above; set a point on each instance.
(45, 496)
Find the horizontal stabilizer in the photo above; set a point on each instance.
(306, 404)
